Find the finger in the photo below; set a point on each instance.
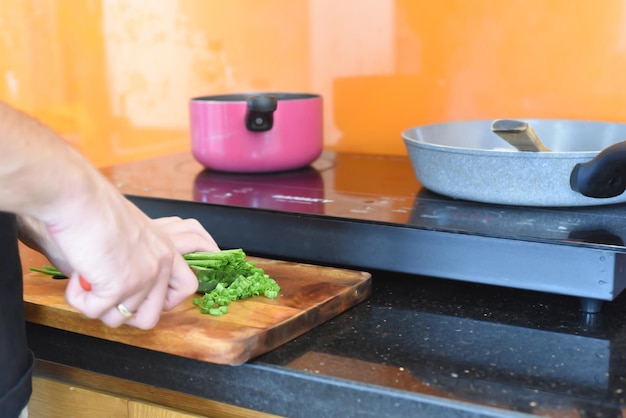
(94, 305)
(90, 304)
(167, 220)
(74, 292)
(192, 226)
(122, 312)
(113, 317)
(182, 284)
(196, 238)
(188, 242)
(149, 311)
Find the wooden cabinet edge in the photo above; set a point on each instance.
(137, 397)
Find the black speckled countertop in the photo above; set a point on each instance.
(417, 347)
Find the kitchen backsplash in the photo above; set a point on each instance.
(115, 76)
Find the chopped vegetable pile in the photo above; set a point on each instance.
(223, 277)
(226, 276)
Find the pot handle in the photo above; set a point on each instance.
(260, 113)
(604, 176)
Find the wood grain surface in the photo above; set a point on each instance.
(310, 295)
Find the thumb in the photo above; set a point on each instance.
(78, 295)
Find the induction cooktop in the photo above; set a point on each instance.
(370, 212)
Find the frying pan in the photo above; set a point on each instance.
(586, 164)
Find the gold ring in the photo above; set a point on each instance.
(124, 311)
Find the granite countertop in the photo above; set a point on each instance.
(418, 345)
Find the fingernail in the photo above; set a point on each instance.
(84, 283)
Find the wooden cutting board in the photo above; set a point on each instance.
(310, 295)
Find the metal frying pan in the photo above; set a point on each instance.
(585, 164)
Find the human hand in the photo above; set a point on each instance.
(187, 235)
(128, 259)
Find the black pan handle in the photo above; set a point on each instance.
(604, 176)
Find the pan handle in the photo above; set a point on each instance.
(604, 176)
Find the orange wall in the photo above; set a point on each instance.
(115, 76)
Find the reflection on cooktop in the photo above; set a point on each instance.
(599, 225)
(334, 187)
(299, 191)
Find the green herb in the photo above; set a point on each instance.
(49, 270)
(223, 277)
(226, 276)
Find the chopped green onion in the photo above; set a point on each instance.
(223, 277)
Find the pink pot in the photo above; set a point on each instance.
(256, 132)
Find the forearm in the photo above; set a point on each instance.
(38, 170)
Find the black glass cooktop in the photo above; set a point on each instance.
(370, 212)
(370, 188)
